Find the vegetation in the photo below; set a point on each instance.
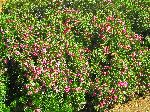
(69, 56)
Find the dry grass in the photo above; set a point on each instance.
(1, 3)
(136, 105)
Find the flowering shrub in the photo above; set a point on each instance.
(3, 93)
(74, 59)
(137, 12)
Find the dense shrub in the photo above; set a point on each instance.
(137, 11)
(3, 88)
(72, 59)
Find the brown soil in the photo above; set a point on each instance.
(141, 104)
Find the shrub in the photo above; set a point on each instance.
(74, 59)
(137, 12)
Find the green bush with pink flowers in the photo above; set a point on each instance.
(70, 56)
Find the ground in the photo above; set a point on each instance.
(141, 104)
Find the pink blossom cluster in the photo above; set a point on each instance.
(122, 84)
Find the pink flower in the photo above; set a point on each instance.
(26, 64)
(49, 75)
(37, 71)
(67, 89)
(22, 46)
(58, 63)
(120, 45)
(66, 22)
(108, 28)
(2, 31)
(94, 18)
(17, 53)
(37, 110)
(133, 55)
(100, 94)
(6, 61)
(107, 67)
(70, 81)
(138, 37)
(26, 87)
(25, 75)
(108, 1)
(36, 90)
(102, 103)
(44, 50)
(67, 30)
(112, 91)
(94, 94)
(106, 49)
(121, 22)
(122, 84)
(127, 47)
(26, 35)
(86, 91)
(35, 54)
(102, 29)
(148, 84)
(87, 50)
(30, 28)
(105, 73)
(78, 88)
(44, 62)
(115, 98)
(78, 75)
(139, 63)
(102, 37)
(59, 55)
(8, 40)
(30, 93)
(35, 44)
(110, 18)
(76, 22)
(81, 79)
(124, 30)
(123, 71)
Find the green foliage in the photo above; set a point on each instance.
(137, 11)
(3, 88)
(74, 54)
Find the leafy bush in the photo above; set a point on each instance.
(3, 89)
(72, 59)
(137, 11)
